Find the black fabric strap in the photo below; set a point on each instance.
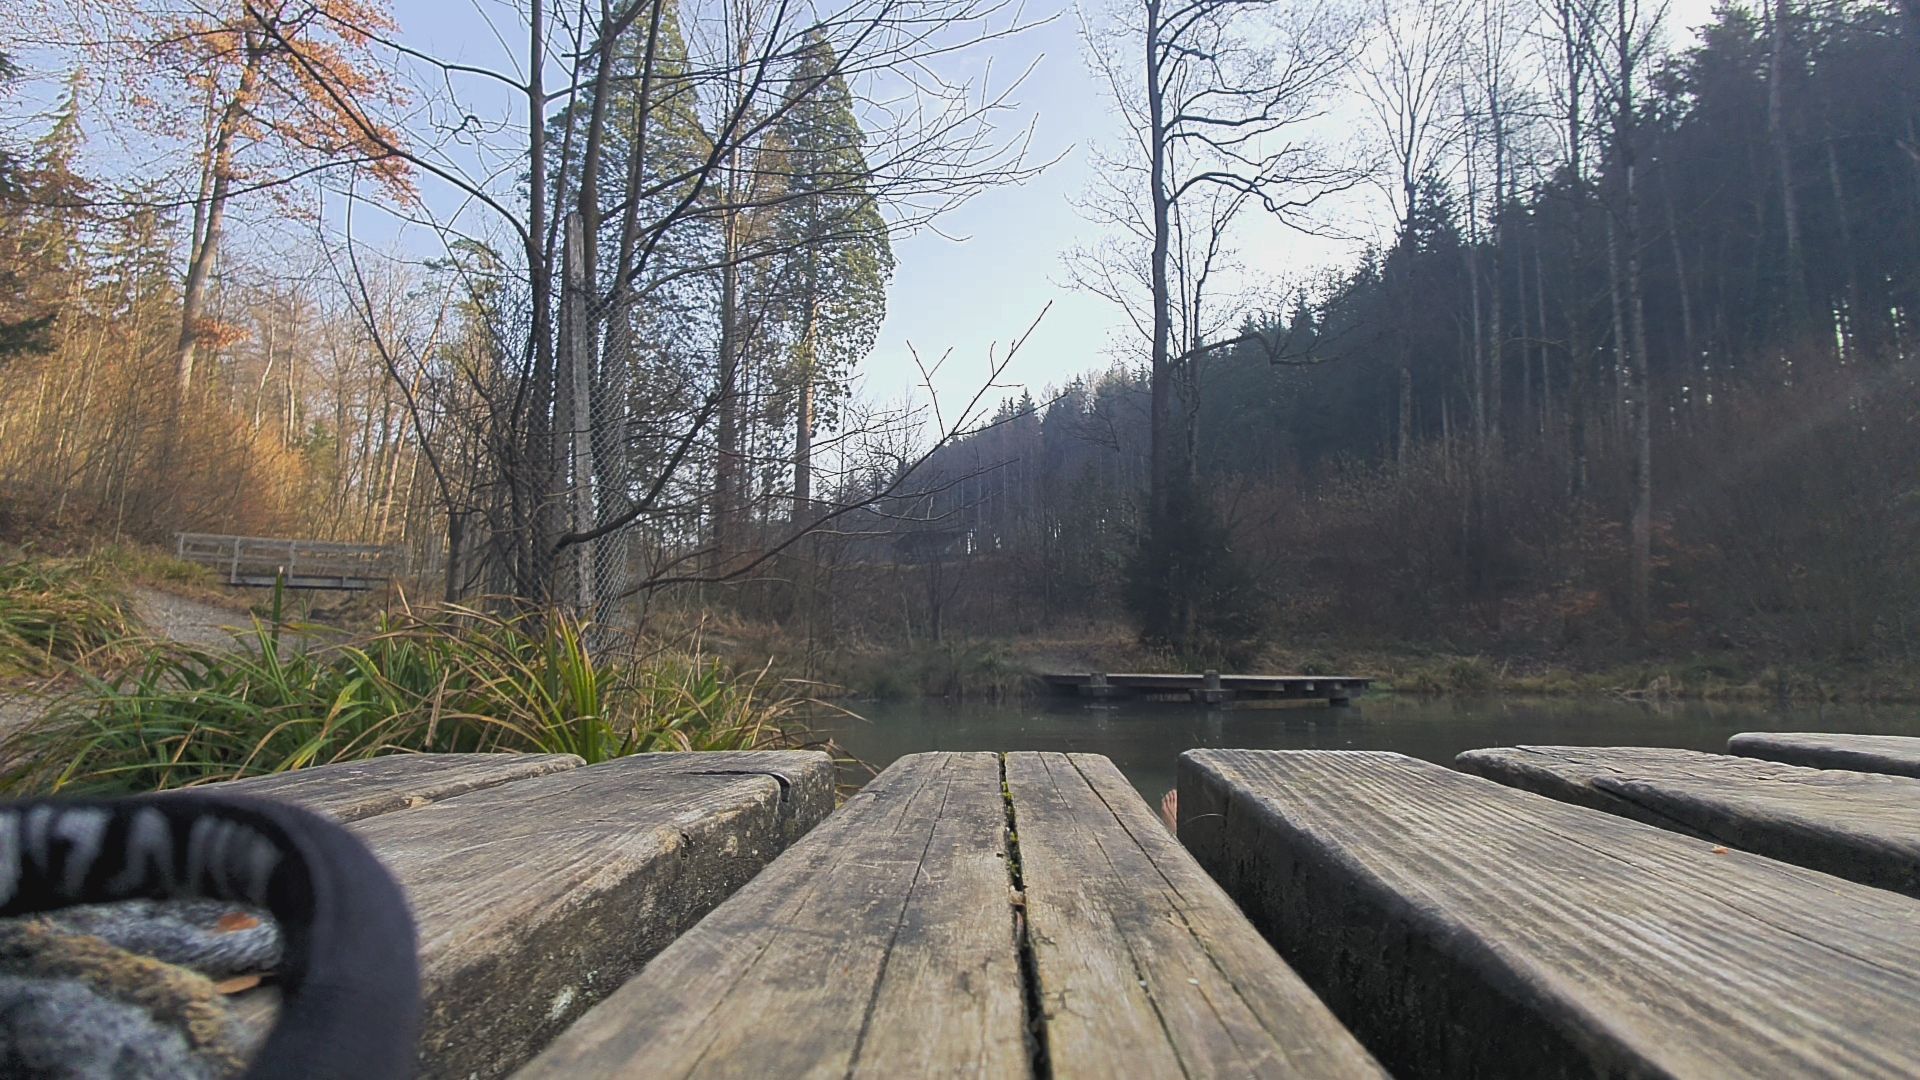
(350, 1005)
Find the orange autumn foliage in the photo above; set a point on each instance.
(302, 79)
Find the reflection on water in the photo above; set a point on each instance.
(1144, 739)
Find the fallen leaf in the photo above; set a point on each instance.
(235, 920)
(236, 984)
(1719, 851)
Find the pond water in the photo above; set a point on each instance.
(1144, 739)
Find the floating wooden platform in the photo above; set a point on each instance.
(1463, 928)
(1208, 688)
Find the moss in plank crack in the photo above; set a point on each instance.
(1029, 974)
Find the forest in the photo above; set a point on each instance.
(1644, 379)
(1631, 372)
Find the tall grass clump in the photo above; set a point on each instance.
(442, 681)
(55, 613)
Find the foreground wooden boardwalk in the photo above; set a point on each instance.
(1863, 826)
(1595, 912)
(966, 914)
(1464, 928)
(540, 886)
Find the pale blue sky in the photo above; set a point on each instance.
(968, 290)
(974, 294)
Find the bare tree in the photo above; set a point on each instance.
(1223, 119)
(1405, 75)
(652, 150)
(1627, 40)
(1568, 46)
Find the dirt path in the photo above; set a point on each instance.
(162, 614)
(193, 622)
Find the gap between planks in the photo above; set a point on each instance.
(1038, 1055)
(1025, 972)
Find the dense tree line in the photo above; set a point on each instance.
(1635, 363)
(1447, 450)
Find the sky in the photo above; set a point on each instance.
(971, 295)
(962, 294)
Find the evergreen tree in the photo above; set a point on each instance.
(40, 233)
(838, 255)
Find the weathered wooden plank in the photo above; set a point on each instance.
(880, 945)
(1895, 754)
(1462, 928)
(1860, 826)
(352, 790)
(535, 899)
(1143, 966)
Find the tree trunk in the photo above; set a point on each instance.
(1496, 323)
(1856, 322)
(1403, 437)
(1778, 136)
(532, 474)
(1160, 369)
(579, 365)
(803, 419)
(1546, 354)
(1681, 285)
(726, 480)
(456, 529)
(1639, 382)
(209, 215)
(1526, 347)
(1616, 295)
(1580, 353)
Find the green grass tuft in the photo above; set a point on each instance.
(445, 681)
(55, 613)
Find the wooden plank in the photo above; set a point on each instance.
(1462, 928)
(353, 790)
(535, 899)
(1143, 966)
(1895, 754)
(1860, 826)
(881, 945)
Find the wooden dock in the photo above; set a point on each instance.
(540, 886)
(1862, 826)
(969, 914)
(1896, 754)
(1207, 688)
(1320, 914)
(1465, 928)
(260, 561)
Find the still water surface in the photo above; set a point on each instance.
(1145, 739)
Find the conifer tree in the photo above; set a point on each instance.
(837, 249)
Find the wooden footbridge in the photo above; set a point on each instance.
(1549, 912)
(303, 564)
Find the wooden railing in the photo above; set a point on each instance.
(306, 564)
